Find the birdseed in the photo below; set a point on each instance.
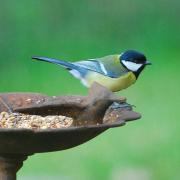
(19, 120)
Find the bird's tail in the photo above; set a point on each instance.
(76, 70)
(65, 64)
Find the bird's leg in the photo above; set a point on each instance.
(117, 105)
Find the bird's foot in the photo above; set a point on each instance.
(116, 105)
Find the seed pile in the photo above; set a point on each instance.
(18, 120)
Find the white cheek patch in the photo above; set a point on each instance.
(131, 65)
(77, 75)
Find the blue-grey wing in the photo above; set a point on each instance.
(92, 65)
(105, 69)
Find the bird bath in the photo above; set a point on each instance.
(92, 114)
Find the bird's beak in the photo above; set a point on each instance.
(148, 63)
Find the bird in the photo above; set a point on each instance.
(115, 72)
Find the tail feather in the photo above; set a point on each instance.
(76, 70)
(65, 64)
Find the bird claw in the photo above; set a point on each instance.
(116, 105)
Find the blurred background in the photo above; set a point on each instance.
(147, 149)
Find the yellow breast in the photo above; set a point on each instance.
(114, 84)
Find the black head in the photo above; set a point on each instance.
(133, 56)
(134, 61)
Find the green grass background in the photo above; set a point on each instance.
(147, 149)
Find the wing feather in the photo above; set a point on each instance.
(108, 66)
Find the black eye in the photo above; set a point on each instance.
(139, 60)
(136, 61)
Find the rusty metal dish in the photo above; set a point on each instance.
(92, 114)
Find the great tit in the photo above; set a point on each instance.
(116, 72)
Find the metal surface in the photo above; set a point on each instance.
(92, 115)
(10, 164)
